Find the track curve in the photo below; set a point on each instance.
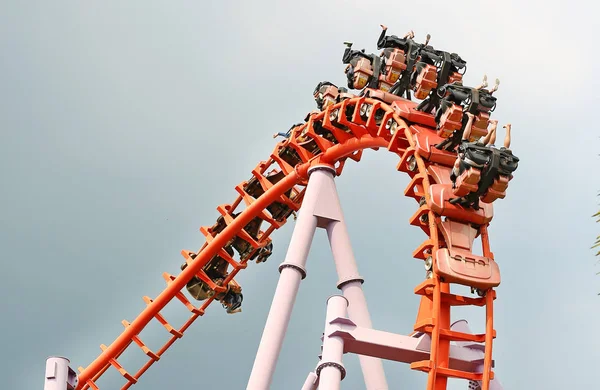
(340, 132)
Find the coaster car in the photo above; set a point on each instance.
(363, 69)
(483, 173)
(216, 270)
(456, 100)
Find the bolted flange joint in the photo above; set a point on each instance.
(331, 364)
(294, 266)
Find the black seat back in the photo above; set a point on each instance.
(508, 162)
(475, 152)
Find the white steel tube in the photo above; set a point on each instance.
(350, 282)
(292, 272)
(57, 374)
(331, 370)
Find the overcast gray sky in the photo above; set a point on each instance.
(124, 124)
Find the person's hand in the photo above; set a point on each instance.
(507, 126)
(383, 27)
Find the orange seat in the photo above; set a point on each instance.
(383, 86)
(454, 77)
(501, 183)
(440, 174)
(407, 110)
(395, 63)
(491, 195)
(479, 128)
(440, 195)
(330, 95)
(457, 263)
(450, 120)
(470, 176)
(467, 182)
(462, 267)
(385, 97)
(425, 81)
(425, 140)
(496, 191)
(363, 71)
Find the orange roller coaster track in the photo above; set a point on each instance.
(332, 136)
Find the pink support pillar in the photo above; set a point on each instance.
(59, 376)
(350, 281)
(292, 272)
(331, 371)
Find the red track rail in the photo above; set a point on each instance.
(332, 136)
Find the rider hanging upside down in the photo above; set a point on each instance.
(325, 94)
(363, 69)
(458, 99)
(288, 133)
(216, 269)
(481, 170)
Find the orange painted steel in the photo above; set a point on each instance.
(440, 349)
(343, 132)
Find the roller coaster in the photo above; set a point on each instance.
(446, 145)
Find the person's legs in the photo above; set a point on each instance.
(455, 172)
(495, 87)
(456, 167)
(507, 136)
(490, 137)
(285, 135)
(493, 139)
(381, 40)
(483, 84)
(467, 133)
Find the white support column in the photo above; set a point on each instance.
(349, 282)
(292, 272)
(331, 370)
(59, 376)
(320, 208)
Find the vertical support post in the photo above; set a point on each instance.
(292, 271)
(350, 282)
(331, 371)
(59, 376)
